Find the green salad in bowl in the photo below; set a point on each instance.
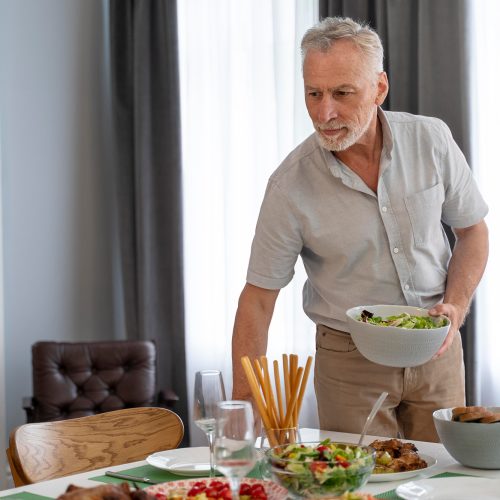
(322, 469)
(404, 320)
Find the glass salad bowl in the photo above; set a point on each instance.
(325, 469)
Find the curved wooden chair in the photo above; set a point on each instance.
(41, 451)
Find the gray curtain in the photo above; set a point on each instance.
(146, 174)
(426, 58)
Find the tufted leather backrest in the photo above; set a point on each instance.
(76, 379)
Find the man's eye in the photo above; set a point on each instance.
(313, 94)
(342, 93)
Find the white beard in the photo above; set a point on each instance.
(354, 133)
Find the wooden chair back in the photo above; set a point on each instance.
(47, 450)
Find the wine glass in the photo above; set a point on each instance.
(234, 442)
(208, 391)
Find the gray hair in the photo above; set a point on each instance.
(322, 36)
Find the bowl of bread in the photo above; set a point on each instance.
(395, 335)
(470, 434)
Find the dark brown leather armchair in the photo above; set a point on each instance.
(76, 379)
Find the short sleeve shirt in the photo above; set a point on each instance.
(359, 247)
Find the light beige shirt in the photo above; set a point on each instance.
(361, 247)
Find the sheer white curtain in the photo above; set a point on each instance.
(242, 112)
(486, 110)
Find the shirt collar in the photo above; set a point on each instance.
(387, 137)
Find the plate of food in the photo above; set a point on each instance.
(396, 460)
(183, 461)
(209, 488)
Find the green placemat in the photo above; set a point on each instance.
(165, 476)
(24, 495)
(391, 495)
(157, 475)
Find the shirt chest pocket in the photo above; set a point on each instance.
(424, 211)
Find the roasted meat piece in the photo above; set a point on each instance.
(408, 461)
(403, 456)
(394, 447)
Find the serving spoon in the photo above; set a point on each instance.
(375, 409)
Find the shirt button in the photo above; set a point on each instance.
(396, 250)
(384, 209)
(407, 287)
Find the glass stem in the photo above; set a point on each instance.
(234, 483)
(210, 437)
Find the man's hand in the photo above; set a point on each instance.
(456, 315)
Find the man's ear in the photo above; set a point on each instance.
(382, 88)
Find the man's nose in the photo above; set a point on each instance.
(327, 109)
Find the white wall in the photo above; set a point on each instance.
(55, 193)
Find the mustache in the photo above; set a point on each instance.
(332, 125)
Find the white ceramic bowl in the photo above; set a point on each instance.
(391, 345)
(470, 443)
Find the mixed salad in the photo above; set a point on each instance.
(404, 320)
(326, 468)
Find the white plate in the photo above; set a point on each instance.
(397, 476)
(273, 490)
(447, 488)
(183, 461)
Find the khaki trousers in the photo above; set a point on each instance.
(347, 385)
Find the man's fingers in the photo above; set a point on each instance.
(446, 344)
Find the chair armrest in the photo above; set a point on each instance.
(29, 407)
(167, 398)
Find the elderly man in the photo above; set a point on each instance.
(362, 201)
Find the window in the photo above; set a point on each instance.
(485, 71)
(242, 112)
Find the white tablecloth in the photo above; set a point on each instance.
(445, 463)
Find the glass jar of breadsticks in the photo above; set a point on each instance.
(279, 407)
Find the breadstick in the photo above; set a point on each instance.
(293, 399)
(278, 392)
(286, 378)
(254, 387)
(271, 405)
(303, 386)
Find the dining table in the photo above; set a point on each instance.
(445, 466)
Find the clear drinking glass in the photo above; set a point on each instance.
(208, 391)
(234, 442)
